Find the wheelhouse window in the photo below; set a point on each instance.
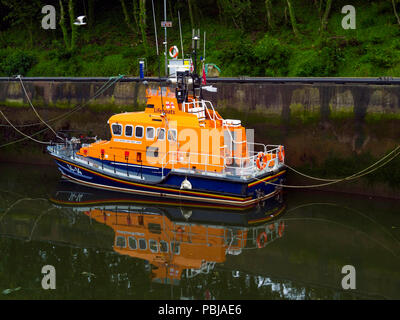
(142, 244)
(153, 245)
(120, 242)
(163, 246)
(150, 133)
(116, 129)
(161, 134)
(132, 243)
(139, 132)
(172, 135)
(128, 131)
(175, 247)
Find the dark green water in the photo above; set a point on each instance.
(322, 233)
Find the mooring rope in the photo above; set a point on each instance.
(351, 177)
(18, 201)
(99, 91)
(330, 180)
(22, 139)
(34, 110)
(102, 89)
(347, 208)
(20, 132)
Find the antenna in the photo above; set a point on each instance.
(195, 38)
(158, 54)
(204, 47)
(180, 32)
(155, 31)
(195, 46)
(165, 32)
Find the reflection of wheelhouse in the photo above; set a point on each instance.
(174, 247)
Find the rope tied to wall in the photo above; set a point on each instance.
(389, 157)
(111, 81)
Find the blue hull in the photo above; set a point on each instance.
(219, 190)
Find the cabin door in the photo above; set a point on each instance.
(229, 138)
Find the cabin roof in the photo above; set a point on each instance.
(148, 118)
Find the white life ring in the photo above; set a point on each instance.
(173, 52)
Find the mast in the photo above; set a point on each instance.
(165, 42)
(197, 92)
(180, 33)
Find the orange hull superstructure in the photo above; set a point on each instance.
(171, 134)
(179, 147)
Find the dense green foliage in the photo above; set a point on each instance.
(252, 38)
(16, 62)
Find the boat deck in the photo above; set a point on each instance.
(154, 175)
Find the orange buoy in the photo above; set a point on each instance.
(173, 52)
(263, 158)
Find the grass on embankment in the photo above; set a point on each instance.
(109, 48)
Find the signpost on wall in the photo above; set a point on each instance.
(166, 24)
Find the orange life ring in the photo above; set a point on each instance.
(264, 161)
(265, 158)
(281, 228)
(173, 52)
(262, 240)
(281, 153)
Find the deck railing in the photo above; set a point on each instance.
(208, 164)
(228, 165)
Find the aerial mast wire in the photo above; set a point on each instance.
(158, 53)
(165, 42)
(155, 31)
(204, 47)
(180, 32)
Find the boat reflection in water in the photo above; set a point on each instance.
(177, 239)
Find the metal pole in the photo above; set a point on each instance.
(180, 32)
(155, 28)
(165, 32)
(204, 47)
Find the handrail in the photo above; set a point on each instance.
(244, 163)
(229, 165)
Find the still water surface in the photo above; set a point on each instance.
(106, 246)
